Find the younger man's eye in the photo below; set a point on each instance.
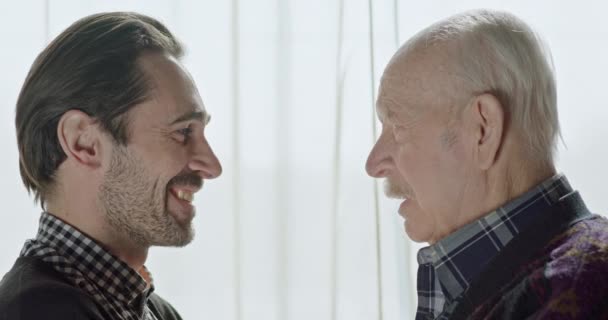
(185, 131)
(184, 134)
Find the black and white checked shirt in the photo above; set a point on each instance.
(118, 289)
(448, 267)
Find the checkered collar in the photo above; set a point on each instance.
(113, 277)
(448, 267)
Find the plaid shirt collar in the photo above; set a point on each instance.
(448, 267)
(115, 286)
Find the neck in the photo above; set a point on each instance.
(133, 255)
(491, 190)
(506, 184)
(90, 220)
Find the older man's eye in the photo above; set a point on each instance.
(394, 129)
(398, 132)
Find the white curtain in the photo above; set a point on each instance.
(293, 228)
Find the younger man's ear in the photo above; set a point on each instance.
(79, 136)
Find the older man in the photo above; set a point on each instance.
(469, 126)
(111, 135)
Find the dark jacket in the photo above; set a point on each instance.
(33, 290)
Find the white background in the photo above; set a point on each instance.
(265, 238)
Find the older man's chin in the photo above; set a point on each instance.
(409, 210)
(413, 233)
(416, 224)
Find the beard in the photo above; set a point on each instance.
(136, 204)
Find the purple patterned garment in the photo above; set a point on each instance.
(567, 279)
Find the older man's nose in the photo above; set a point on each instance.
(378, 162)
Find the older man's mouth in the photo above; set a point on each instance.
(401, 209)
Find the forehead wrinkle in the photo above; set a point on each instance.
(424, 80)
(397, 100)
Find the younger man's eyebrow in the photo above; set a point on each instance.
(202, 116)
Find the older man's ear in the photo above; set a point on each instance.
(487, 119)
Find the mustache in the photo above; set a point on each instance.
(186, 179)
(397, 191)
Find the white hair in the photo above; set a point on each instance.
(496, 52)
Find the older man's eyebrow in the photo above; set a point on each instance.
(201, 116)
(383, 110)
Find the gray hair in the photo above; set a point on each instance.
(496, 52)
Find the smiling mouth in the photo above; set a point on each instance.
(185, 195)
(184, 186)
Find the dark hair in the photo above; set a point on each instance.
(92, 67)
